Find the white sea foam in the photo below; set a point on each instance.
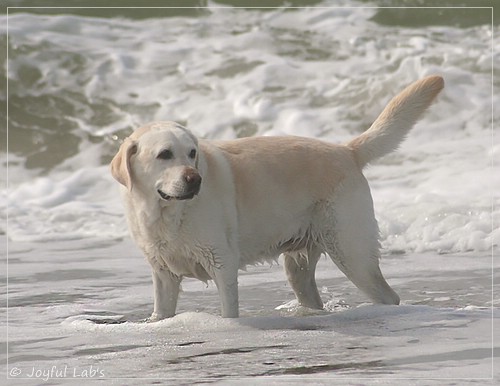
(323, 73)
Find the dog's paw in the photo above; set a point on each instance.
(155, 317)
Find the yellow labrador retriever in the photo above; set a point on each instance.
(205, 209)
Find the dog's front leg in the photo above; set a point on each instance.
(225, 276)
(228, 293)
(166, 292)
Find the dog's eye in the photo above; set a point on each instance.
(165, 154)
(192, 154)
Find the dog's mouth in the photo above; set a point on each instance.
(187, 196)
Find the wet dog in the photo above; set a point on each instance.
(205, 209)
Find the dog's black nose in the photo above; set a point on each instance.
(192, 178)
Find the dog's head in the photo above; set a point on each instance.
(160, 158)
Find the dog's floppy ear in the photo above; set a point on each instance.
(120, 165)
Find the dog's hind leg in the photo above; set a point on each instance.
(352, 243)
(300, 269)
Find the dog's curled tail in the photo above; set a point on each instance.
(399, 116)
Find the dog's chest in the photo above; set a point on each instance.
(176, 250)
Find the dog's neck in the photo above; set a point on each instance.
(149, 211)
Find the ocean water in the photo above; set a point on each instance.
(75, 82)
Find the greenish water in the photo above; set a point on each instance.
(410, 13)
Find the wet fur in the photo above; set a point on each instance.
(259, 198)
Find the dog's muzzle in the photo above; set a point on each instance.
(192, 183)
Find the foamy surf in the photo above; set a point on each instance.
(321, 83)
